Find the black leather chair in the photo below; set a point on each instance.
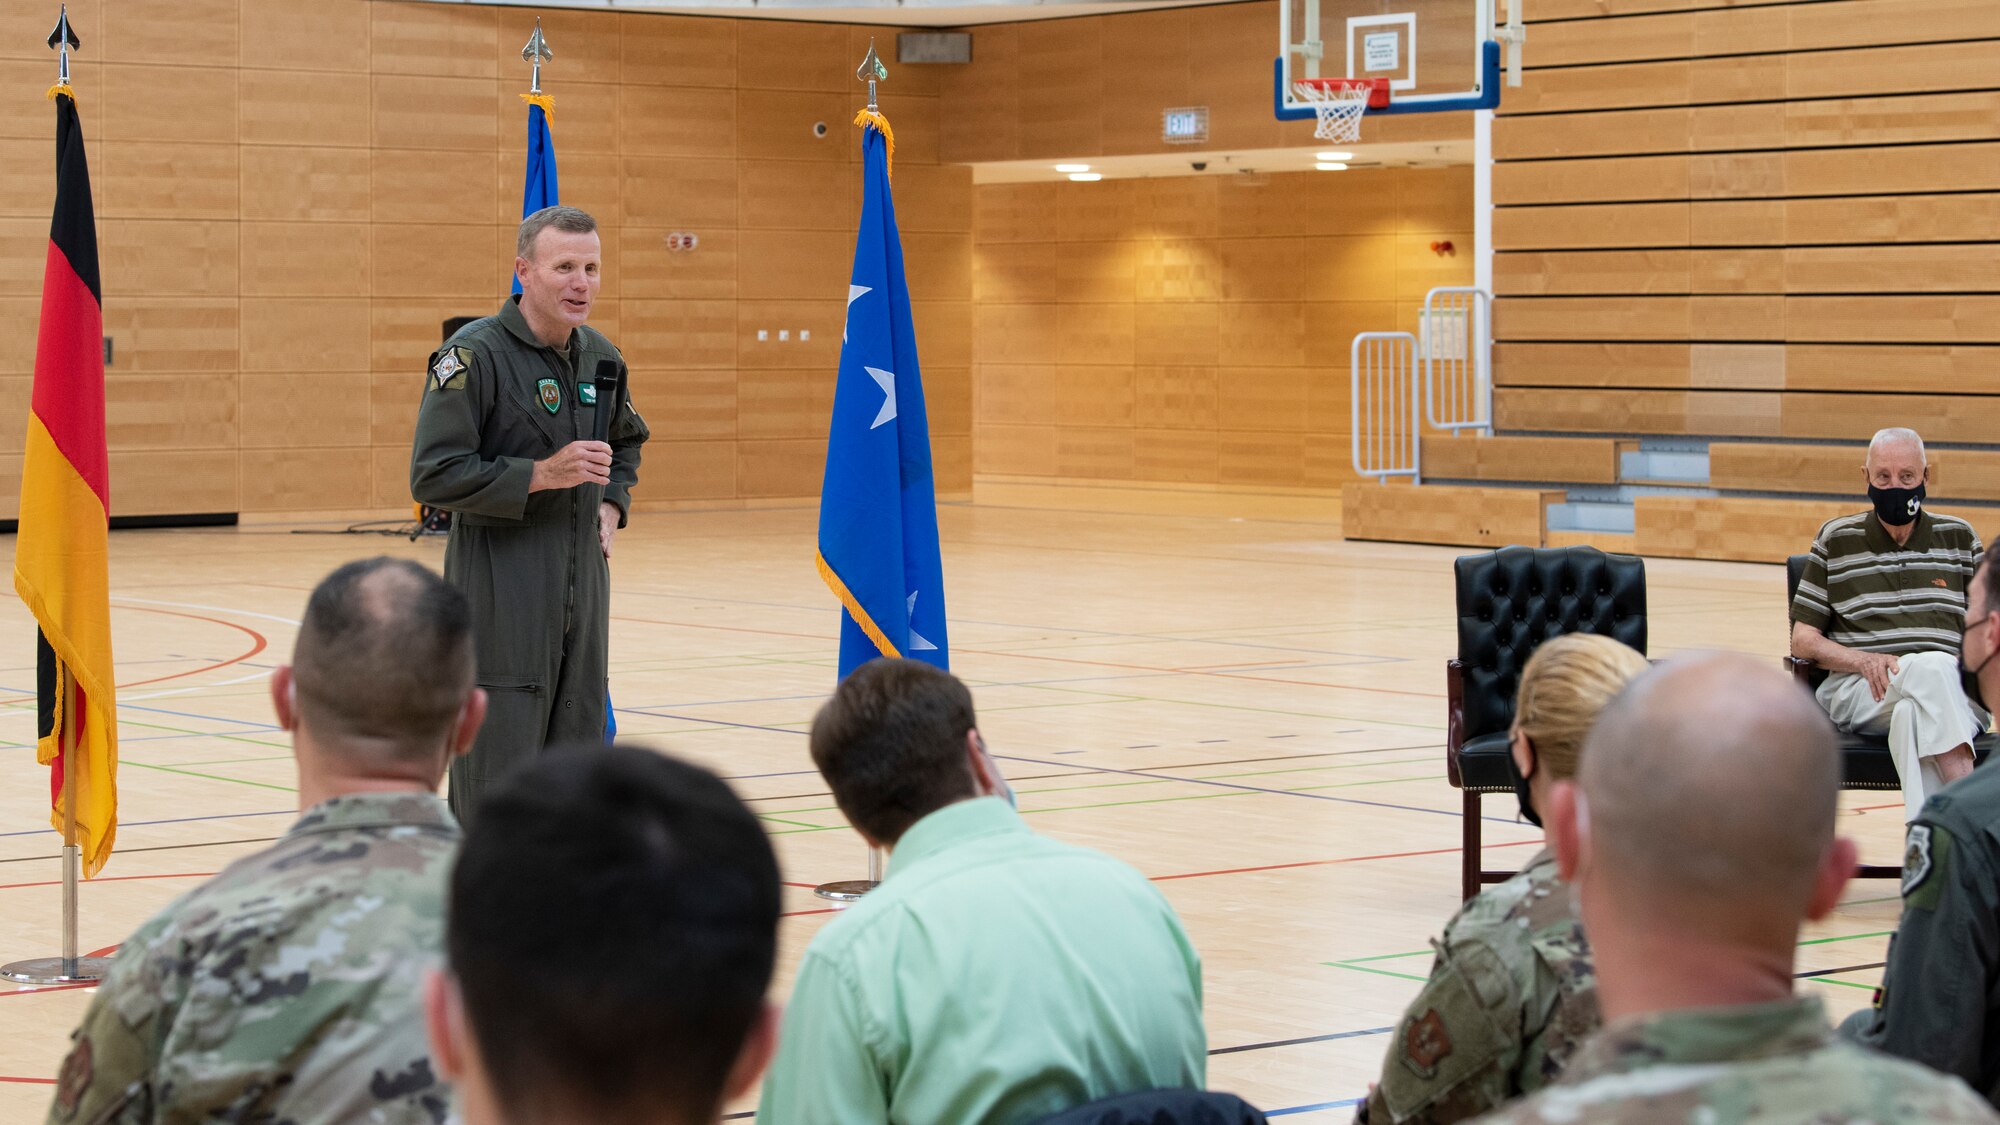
(1509, 602)
(1161, 1107)
(1865, 761)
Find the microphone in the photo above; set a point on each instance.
(608, 385)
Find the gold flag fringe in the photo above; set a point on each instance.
(881, 123)
(62, 88)
(546, 101)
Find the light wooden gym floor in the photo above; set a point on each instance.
(1251, 713)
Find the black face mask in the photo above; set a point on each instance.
(1521, 791)
(1897, 506)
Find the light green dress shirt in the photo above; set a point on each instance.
(994, 977)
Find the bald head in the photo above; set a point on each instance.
(383, 663)
(1896, 458)
(1713, 777)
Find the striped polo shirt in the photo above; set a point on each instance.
(1865, 592)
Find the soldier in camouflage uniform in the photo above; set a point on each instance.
(287, 990)
(505, 443)
(1511, 992)
(1937, 1004)
(1699, 835)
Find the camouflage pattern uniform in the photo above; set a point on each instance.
(1511, 996)
(1748, 1064)
(1939, 1003)
(287, 990)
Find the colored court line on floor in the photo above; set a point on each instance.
(1295, 1042)
(170, 820)
(28, 1081)
(1342, 1104)
(112, 879)
(256, 646)
(1453, 813)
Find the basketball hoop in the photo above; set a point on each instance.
(1339, 103)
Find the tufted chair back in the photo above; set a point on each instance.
(1513, 599)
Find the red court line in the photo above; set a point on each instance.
(257, 645)
(112, 879)
(1326, 862)
(803, 913)
(29, 1081)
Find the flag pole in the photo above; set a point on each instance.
(68, 968)
(871, 71)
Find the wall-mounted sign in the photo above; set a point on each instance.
(1185, 126)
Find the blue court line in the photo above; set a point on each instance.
(1342, 1104)
(174, 820)
(1307, 1039)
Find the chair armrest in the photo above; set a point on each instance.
(1802, 671)
(1454, 720)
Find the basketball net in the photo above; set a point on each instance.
(1339, 109)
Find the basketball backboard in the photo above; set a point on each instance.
(1437, 55)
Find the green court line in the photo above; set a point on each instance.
(1842, 983)
(1377, 972)
(797, 831)
(1846, 937)
(209, 776)
(1316, 769)
(794, 823)
(235, 761)
(1379, 957)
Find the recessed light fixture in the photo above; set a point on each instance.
(1072, 167)
(1330, 166)
(1334, 156)
(1086, 177)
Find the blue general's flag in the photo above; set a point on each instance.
(878, 534)
(538, 190)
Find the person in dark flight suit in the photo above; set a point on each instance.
(504, 443)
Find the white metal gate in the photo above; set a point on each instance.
(1386, 416)
(1455, 338)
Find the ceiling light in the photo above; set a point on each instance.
(1089, 177)
(1330, 166)
(1072, 167)
(1333, 156)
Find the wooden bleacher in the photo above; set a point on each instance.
(1732, 242)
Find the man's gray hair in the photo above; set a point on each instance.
(1897, 435)
(569, 220)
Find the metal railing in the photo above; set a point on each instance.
(1384, 405)
(1392, 400)
(1456, 339)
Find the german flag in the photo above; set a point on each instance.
(61, 565)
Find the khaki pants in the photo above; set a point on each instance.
(1924, 713)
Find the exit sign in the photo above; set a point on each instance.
(1187, 125)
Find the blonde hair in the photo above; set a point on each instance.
(1566, 683)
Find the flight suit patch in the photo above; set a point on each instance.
(550, 392)
(450, 369)
(74, 1079)
(1426, 1043)
(586, 394)
(1916, 858)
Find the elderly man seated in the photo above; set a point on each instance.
(1882, 606)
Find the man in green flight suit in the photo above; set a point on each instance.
(504, 442)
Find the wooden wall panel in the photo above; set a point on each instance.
(1155, 331)
(1792, 415)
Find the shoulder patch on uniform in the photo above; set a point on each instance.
(550, 393)
(1426, 1043)
(74, 1079)
(1916, 858)
(450, 368)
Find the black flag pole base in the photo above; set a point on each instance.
(850, 890)
(69, 968)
